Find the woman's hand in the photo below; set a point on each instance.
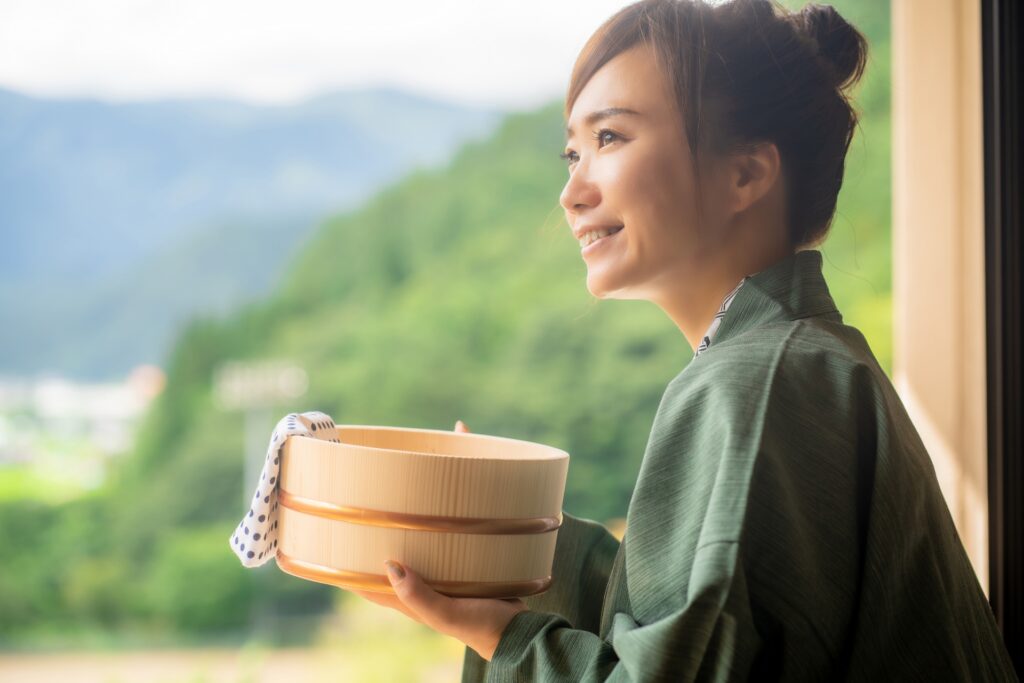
(477, 622)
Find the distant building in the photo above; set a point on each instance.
(41, 418)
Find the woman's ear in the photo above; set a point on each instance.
(752, 174)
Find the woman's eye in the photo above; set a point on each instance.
(599, 135)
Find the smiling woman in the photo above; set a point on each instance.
(761, 179)
(786, 523)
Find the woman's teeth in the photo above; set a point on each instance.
(594, 235)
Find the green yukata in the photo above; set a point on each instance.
(786, 524)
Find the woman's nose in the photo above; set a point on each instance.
(579, 191)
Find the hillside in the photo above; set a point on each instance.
(105, 208)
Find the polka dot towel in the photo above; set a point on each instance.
(255, 538)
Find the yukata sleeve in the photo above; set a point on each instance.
(710, 638)
(584, 553)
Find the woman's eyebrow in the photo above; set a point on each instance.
(599, 115)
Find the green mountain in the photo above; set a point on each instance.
(123, 220)
(457, 293)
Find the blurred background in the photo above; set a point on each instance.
(214, 214)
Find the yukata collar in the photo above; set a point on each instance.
(789, 289)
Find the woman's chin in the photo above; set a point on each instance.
(602, 287)
(599, 287)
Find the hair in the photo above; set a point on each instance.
(746, 72)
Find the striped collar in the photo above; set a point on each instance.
(705, 340)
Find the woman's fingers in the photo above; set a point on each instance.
(435, 609)
(477, 622)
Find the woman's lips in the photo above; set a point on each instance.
(597, 244)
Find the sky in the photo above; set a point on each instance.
(514, 55)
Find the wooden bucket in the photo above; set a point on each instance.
(475, 515)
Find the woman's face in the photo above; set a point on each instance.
(632, 170)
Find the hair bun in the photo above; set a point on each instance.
(842, 46)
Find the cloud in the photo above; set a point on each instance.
(511, 54)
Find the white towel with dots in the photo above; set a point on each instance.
(255, 539)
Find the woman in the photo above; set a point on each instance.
(786, 522)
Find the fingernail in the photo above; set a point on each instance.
(395, 571)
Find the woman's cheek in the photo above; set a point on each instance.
(627, 193)
(618, 183)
